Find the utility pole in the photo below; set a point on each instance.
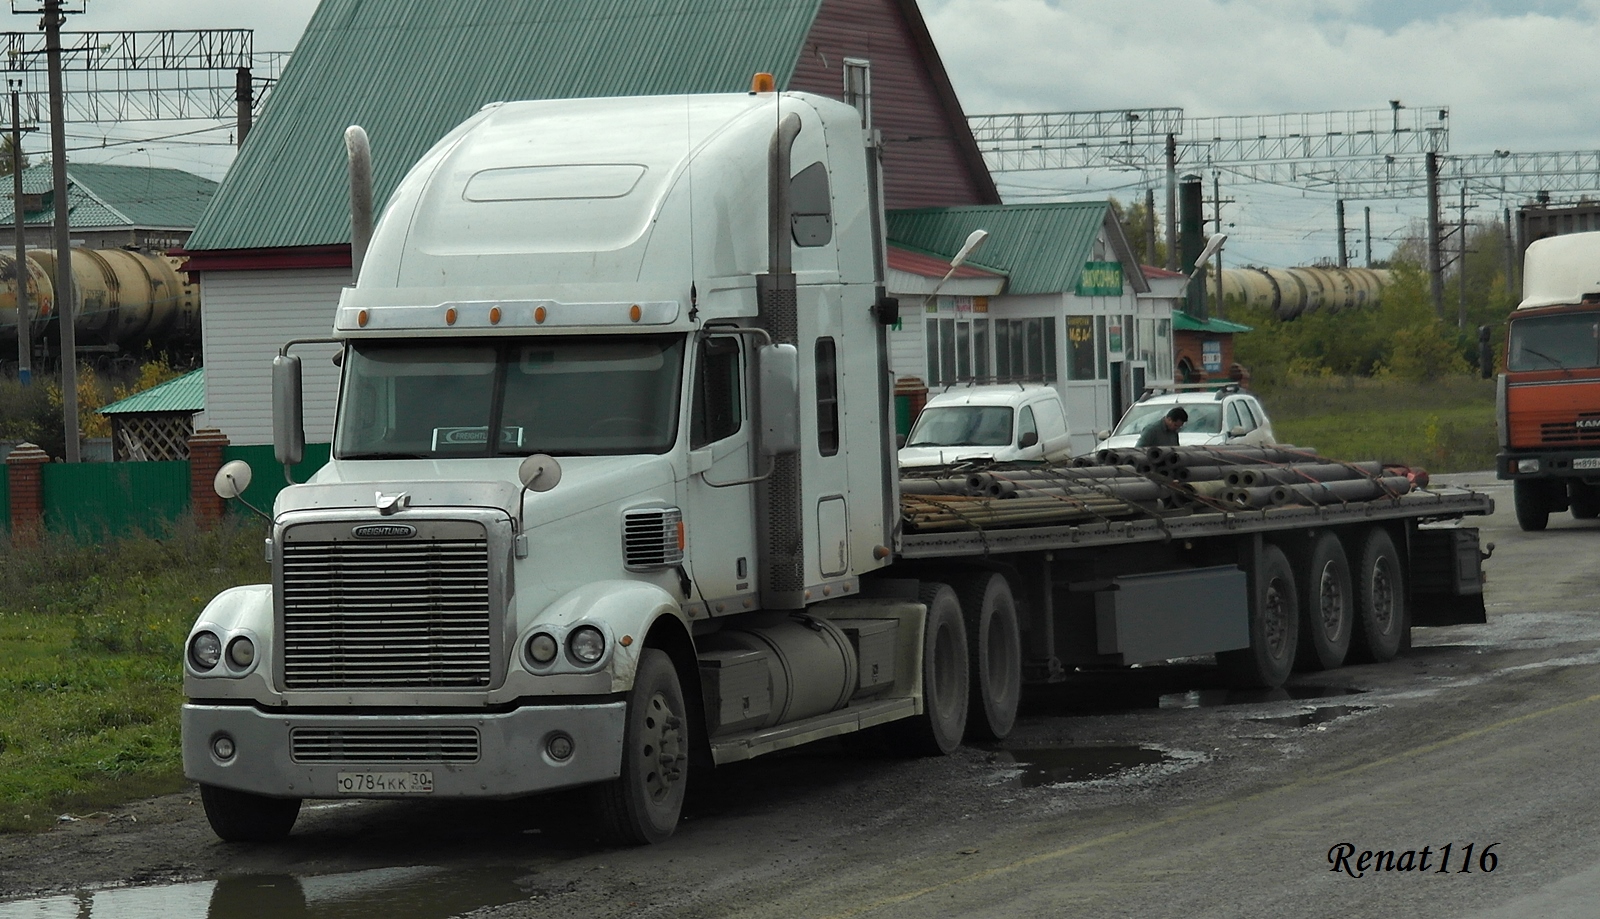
(1344, 257)
(24, 317)
(1461, 304)
(1216, 200)
(1172, 202)
(244, 94)
(1511, 262)
(54, 16)
(1369, 235)
(1435, 280)
(1150, 225)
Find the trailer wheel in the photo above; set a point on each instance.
(239, 816)
(642, 805)
(994, 640)
(1274, 624)
(1327, 606)
(1381, 623)
(1585, 501)
(1533, 504)
(937, 730)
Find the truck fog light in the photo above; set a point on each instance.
(559, 746)
(205, 650)
(241, 652)
(586, 645)
(542, 648)
(1527, 465)
(222, 747)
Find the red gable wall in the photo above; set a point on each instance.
(930, 158)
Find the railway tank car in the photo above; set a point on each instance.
(124, 300)
(1293, 292)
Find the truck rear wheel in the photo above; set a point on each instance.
(1274, 624)
(1533, 504)
(642, 805)
(1381, 623)
(994, 640)
(937, 730)
(239, 816)
(1327, 606)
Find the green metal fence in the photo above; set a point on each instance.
(266, 478)
(93, 500)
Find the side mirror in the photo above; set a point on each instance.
(1029, 439)
(1102, 435)
(899, 440)
(1237, 431)
(539, 472)
(778, 375)
(232, 479)
(288, 411)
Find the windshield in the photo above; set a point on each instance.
(1204, 418)
(962, 426)
(577, 396)
(1570, 341)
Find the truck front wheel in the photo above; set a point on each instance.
(938, 729)
(1531, 497)
(642, 805)
(1274, 626)
(239, 816)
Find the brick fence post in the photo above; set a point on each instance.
(27, 493)
(205, 458)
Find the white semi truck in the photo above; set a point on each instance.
(613, 498)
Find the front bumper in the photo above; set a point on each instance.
(513, 756)
(1583, 463)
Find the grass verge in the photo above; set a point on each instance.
(1444, 426)
(90, 679)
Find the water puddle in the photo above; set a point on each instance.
(1319, 715)
(1060, 765)
(1208, 698)
(393, 893)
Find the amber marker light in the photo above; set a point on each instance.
(538, 314)
(763, 83)
(494, 315)
(626, 641)
(682, 539)
(450, 316)
(361, 319)
(635, 313)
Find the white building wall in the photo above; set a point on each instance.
(249, 315)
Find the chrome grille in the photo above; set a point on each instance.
(386, 615)
(650, 538)
(384, 745)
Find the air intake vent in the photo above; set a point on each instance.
(384, 745)
(652, 538)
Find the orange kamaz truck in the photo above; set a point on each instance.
(1548, 401)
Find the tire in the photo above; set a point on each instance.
(938, 728)
(643, 804)
(1327, 606)
(1381, 621)
(1274, 624)
(1585, 501)
(1533, 506)
(239, 816)
(994, 641)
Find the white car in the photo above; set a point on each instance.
(1217, 416)
(998, 423)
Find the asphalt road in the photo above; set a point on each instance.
(1149, 792)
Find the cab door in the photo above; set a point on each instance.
(720, 516)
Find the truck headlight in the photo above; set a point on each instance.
(542, 648)
(205, 650)
(241, 652)
(586, 644)
(1527, 465)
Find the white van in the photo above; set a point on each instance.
(998, 423)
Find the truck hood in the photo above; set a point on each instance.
(944, 456)
(587, 482)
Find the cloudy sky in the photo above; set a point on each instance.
(1496, 63)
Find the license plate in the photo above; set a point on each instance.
(385, 783)
(1587, 462)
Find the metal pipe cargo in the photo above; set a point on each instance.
(1302, 473)
(1350, 490)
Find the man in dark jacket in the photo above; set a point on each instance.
(1164, 433)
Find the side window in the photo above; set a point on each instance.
(810, 210)
(1236, 417)
(827, 398)
(717, 410)
(1026, 425)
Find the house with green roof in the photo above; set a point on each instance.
(110, 206)
(272, 251)
(1070, 307)
(156, 424)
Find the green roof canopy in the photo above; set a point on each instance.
(410, 71)
(1042, 247)
(1183, 322)
(184, 394)
(116, 196)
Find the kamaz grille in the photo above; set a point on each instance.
(410, 614)
(384, 745)
(1568, 434)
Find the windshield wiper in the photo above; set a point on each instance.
(379, 456)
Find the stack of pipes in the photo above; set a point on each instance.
(1156, 481)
